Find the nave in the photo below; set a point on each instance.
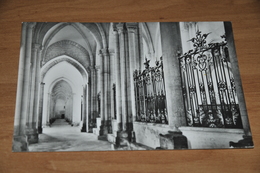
(61, 136)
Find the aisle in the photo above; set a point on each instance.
(63, 137)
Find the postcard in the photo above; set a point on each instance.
(129, 86)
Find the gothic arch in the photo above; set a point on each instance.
(89, 26)
(50, 37)
(41, 37)
(88, 48)
(103, 36)
(40, 31)
(55, 82)
(71, 61)
(69, 48)
(93, 29)
(147, 37)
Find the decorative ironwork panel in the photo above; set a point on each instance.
(150, 96)
(208, 86)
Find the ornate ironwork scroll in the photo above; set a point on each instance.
(208, 86)
(150, 96)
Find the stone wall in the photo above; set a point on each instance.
(209, 138)
(148, 133)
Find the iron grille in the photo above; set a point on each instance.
(208, 85)
(150, 96)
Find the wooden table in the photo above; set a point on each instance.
(245, 15)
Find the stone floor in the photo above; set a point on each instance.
(63, 137)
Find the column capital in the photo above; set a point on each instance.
(31, 25)
(132, 27)
(104, 52)
(92, 67)
(115, 30)
(37, 46)
(42, 83)
(111, 52)
(97, 67)
(120, 28)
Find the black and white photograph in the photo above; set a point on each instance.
(129, 86)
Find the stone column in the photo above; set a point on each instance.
(171, 44)
(118, 82)
(132, 29)
(51, 105)
(21, 111)
(32, 85)
(129, 124)
(107, 90)
(103, 127)
(84, 112)
(31, 131)
(141, 51)
(94, 96)
(29, 92)
(74, 103)
(237, 79)
(47, 123)
(92, 99)
(88, 106)
(121, 31)
(68, 109)
(40, 110)
(111, 77)
(38, 100)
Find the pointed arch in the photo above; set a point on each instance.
(88, 48)
(147, 37)
(69, 48)
(71, 61)
(103, 35)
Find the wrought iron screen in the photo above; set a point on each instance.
(208, 86)
(150, 96)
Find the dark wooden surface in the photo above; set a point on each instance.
(245, 15)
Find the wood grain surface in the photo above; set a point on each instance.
(245, 16)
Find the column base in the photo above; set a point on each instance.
(173, 140)
(90, 130)
(109, 127)
(46, 125)
(20, 144)
(102, 137)
(39, 130)
(133, 139)
(84, 128)
(96, 131)
(247, 142)
(32, 135)
(122, 138)
(75, 124)
(111, 138)
(103, 130)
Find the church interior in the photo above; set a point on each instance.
(129, 86)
